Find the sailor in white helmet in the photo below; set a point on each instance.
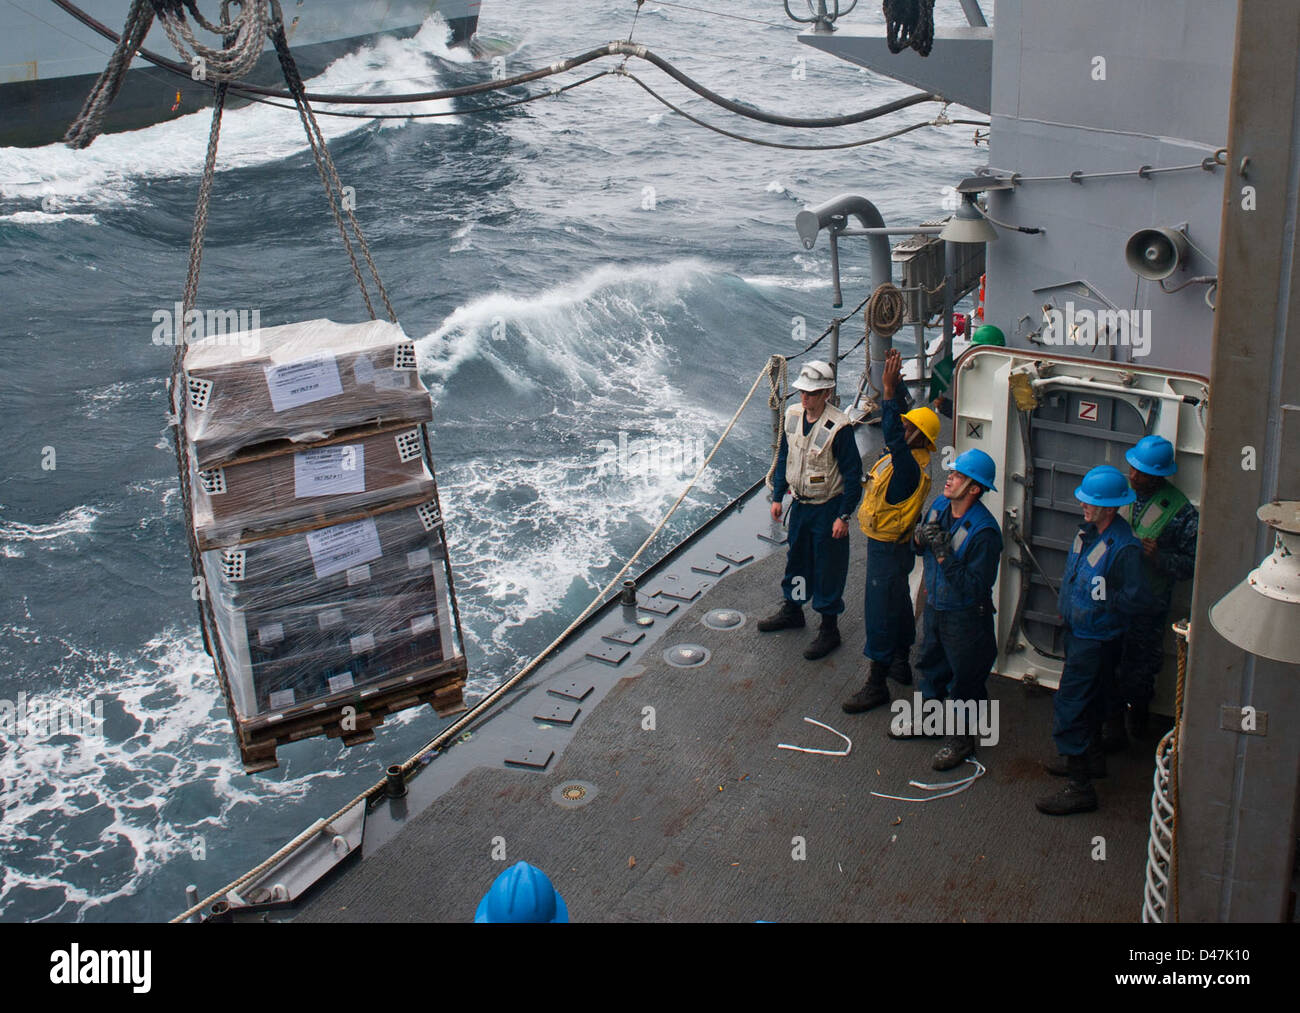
(819, 464)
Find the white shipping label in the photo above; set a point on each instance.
(272, 633)
(343, 547)
(421, 624)
(329, 471)
(330, 618)
(364, 370)
(363, 643)
(292, 384)
(358, 575)
(281, 698)
(391, 379)
(338, 683)
(417, 559)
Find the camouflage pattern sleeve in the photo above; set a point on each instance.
(1176, 555)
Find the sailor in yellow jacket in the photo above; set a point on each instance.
(893, 493)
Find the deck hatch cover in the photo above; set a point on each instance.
(626, 636)
(534, 757)
(711, 569)
(610, 654)
(572, 690)
(658, 606)
(559, 713)
(681, 590)
(736, 557)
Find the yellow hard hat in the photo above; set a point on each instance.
(927, 421)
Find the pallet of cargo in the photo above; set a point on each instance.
(352, 717)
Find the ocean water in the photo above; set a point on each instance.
(573, 270)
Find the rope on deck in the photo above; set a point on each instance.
(1160, 894)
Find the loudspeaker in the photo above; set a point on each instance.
(1154, 254)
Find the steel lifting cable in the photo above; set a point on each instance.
(325, 167)
(477, 711)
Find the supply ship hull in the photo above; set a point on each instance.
(50, 60)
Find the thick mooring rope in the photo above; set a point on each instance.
(86, 127)
(909, 23)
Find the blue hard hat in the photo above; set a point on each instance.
(1105, 486)
(522, 893)
(977, 466)
(1153, 455)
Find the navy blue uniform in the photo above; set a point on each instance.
(960, 645)
(1096, 615)
(813, 554)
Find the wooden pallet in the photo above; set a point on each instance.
(440, 686)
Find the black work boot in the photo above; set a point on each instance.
(873, 694)
(1095, 754)
(1078, 795)
(1113, 736)
(788, 617)
(900, 670)
(953, 752)
(828, 638)
(1136, 719)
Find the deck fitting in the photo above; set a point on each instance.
(724, 619)
(573, 794)
(687, 655)
(610, 654)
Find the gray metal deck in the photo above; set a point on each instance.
(695, 820)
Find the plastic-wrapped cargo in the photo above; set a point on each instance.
(308, 615)
(280, 485)
(302, 381)
(326, 630)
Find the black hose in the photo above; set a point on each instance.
(610, 49)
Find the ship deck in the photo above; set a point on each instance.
(696, 820)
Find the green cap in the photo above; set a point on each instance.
(988, 335)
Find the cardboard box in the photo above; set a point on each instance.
(285, 485)
(389, 547)
(302, 381)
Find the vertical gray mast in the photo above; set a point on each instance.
(1238, 790)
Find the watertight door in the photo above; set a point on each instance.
(1046, 420)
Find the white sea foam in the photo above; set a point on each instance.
(77, 521)
(106, 172)
(599, 332)
(183, 739)
(48, 218)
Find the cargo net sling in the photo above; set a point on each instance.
(315, 533)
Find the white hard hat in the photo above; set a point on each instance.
(815, 376)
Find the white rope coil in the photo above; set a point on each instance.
(1155, 899)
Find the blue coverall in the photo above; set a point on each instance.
(959, 645)
(1093, 651)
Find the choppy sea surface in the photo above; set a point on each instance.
(572, 269)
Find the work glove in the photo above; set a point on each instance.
(936, 538)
